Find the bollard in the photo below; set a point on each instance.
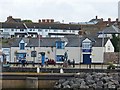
(61, 70)
(38, 70)
(32, 82)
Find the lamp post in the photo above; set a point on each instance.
(80, 33)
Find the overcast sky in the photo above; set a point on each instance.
(67, 10)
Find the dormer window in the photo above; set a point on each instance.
(86, 45)
(60, 44)
(22, 46)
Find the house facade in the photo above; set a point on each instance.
(83, 50)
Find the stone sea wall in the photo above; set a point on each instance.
(91, 80)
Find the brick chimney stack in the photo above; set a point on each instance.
(39, 21)
(9, 18)
(109, 21)
(117, 20)
(96, 17)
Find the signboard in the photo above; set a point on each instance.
(33, 53)
(86, 50)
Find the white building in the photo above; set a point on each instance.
(44, 28)
(84, 50)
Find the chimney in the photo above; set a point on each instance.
(43, 20)
(47, 20)
(109, 21)
(52, 20)
(9, 18)
(117, 20)
(39, 21)
(96, 17)
(101, 19)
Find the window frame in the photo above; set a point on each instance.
(60, 45)
(22, 46)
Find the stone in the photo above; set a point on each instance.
(83, 83)
(59, 86)
(78, 81)
(90, 82)
(115, 82)
(99, 84)
(61, 81)
(111, 86)
(67, 86)
(105, 85)
(94, 85)
(65, 83)
(75, 86)
(118, 88)
(71, 82)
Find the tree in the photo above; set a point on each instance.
(116, 42)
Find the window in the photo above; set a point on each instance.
(46, 30)
(12, 29)
(39, 30)
(86, 45)
(60, 58)
(30, 29)
(73, 30)
(21, 29)
(21, 56)
(22, 46)
(108, 48)
(64, 31)
(55, 30)
(60, 45)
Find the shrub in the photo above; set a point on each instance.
(111, 66)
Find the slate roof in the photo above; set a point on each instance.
(42, 26)
(13, 25)
(50, 42)
(110, 30)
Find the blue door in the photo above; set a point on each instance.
(43, 57)
(86, 59)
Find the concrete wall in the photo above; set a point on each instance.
(22, 83)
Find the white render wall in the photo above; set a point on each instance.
(109, 47)
(73, 53)
(43, 32)
(97, 54)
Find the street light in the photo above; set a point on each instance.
(80, 33)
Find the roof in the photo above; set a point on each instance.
(41, 26)
(110, 30)
(13, 25)
(51, 42)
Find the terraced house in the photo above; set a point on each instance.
(83, 50)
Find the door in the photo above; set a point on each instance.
(86, 59)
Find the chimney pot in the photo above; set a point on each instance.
(96, 17)
(39, 21)
(109, 19)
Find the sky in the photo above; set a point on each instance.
(59, 10)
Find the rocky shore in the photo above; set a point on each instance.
(92, 81)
